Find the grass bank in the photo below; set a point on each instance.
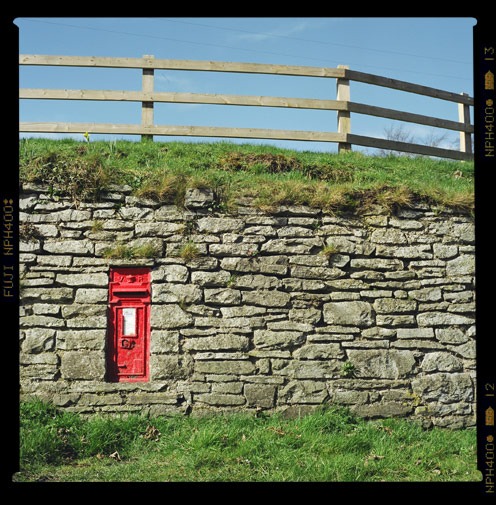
(272, 176)
(331, 445)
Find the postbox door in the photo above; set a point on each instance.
(129, 326)
(131, 344)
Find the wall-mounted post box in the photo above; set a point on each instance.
(129, 324)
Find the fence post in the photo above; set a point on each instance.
(344, 117)
(147, 107)
(464, 117)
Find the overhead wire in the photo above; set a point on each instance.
(223, 46)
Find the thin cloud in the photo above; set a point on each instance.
(286, 31)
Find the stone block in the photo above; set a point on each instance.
(319, 351)
(170, 316)
(98, 279)
(223, 296)
(38, 340)
(415, 333)
(386, 409)
(463, 265)
(164, 341)
(267, 339)
(266, 298)
(210, 279)
(225, 367)
(218, 343)
(394, 305)
(444, 387)
(83, 365)
(260, 395)
(91, 295)
(441, 362)
(443, 319)
(217, 225)
(381, 364)
(220, 400)
(73, 340)
(173, 367)
(176, 293)
(321, 273)
(354, 313)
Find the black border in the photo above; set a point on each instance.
(485, 179)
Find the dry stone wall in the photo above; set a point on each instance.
(280, 311)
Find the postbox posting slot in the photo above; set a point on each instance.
(129, 326)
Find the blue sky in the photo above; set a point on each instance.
(434, 52)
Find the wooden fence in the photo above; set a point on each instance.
(343, 104)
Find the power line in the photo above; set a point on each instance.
(314, 41)
(237, 48)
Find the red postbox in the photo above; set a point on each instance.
(129, 324)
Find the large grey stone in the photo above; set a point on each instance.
(233, 249)
(310, 369)
(319, 351)
(263, 264)
(220, 400)
(451, 335)
(266, 298)
(444, 387)
(386, 409)
(304, 391)
(83, 310)
(394, 305)
(441, 362)
(377, 263)
(164, 341)
(379, 364)
(322, 273)
(167, 317)
(267, 339)
(73, 340)
(198, 198)
(442, 319)
(42, 321)
(37, 340)
(170, 273)
(388, 236)
(260, 395)
(293, 246)
(219, 225)
(242, 311)
(91, 295)
(257, 282)
(210, 279)
(350, 397)
(74, 247)
(352, 313)
(463, 265)
(310, 315)
(160, 229)
(79, 365)
(426, 294)
(218, 342)
(176, 293)
(98, 279)
(173, 367)
(225, 367)
(405, 252)
(415, 333)
(223, 296)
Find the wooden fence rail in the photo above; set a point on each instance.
(343, 104)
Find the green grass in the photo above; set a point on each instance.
(272, 176)
(329, 445)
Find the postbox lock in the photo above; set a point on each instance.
(129, 324)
